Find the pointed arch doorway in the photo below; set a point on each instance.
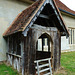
(44, 47)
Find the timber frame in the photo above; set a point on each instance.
(22, 37)
(25, 61)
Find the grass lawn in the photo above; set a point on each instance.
(68, 62)
(7, 70)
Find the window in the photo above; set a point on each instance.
(43, 44)
(72, 36)
(39, 44)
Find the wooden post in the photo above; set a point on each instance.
(54, 52)
(49, 45)
(8, 44)
(22, 54)
(25, 58)
(52, 49)
(50, 66)
(38, 68)
(7, 48)
(32, 52)
(59, 49)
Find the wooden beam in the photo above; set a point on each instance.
(51, 14)
(14, 55)
(43, 28)
(8, 44)
(43, 16)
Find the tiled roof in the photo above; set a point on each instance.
(25, 17)
(63, 6)
(20, 22)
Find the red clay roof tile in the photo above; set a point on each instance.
(22, 19)
(63, 6)
(25, 17)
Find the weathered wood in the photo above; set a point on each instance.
(28, 49)
(49, 45)
(47, 73)
(22, 46)
(32, 53)
(50, 66)
(43, 28)
(52, 49)
(55, 51)
(42, 60)
(59, 49)
(8, 44)
(42, 65)
(12, 44)
(38, 68)
(43, 16)
(45, 67)
(14, 55)
(42, 55)
(44, 70)
(25, 57)
(29, 52)
(14, 61)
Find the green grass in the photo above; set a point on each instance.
(68, 62)
(7, 70)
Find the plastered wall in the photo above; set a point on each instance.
(9, 9)
(70, 22)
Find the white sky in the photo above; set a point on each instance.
(69, 3)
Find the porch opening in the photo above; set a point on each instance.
(43, 47)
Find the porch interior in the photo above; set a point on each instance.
(43, 47)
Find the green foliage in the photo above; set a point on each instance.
(7, 70)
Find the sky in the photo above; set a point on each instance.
(69, 3)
